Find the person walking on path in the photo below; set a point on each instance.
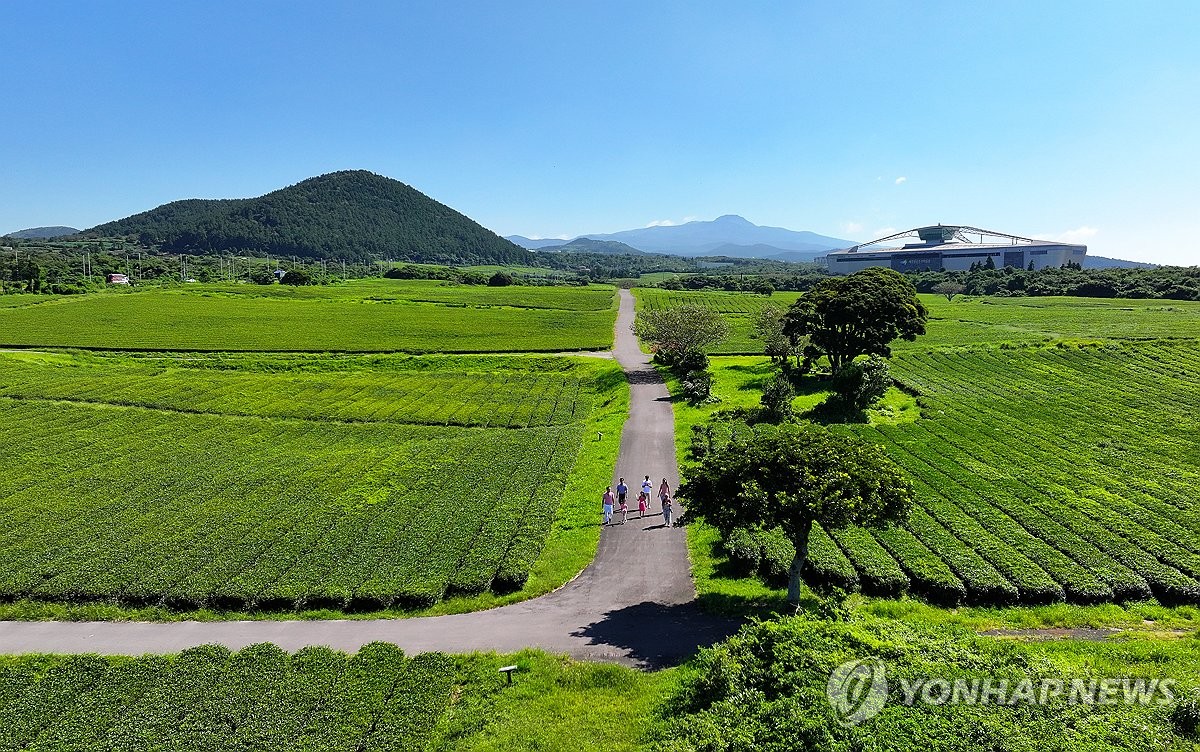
(666, 511)
(643, 502)
(608, 505)
(648, 488)
(664, 491)
(623, 508)
(622, 489)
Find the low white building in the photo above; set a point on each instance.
(953, 248)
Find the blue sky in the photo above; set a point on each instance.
(1073, 120)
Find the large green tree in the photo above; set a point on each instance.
(681, 331)
(791, 477)
(861, 314)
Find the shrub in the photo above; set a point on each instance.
(1185, 715)
(777, 399)
(697, 386)
(689, 362)
(744, 550)
(862, 384)
(296, 277)
(500, 279)
(777, 553)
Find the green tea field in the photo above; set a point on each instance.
(1042, 474)
(208, 698)
(1051, 443)
(285, 481)
(968, 322)
(360, 316)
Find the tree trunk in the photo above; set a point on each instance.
(801, 543)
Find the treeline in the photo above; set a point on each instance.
(353, 216)
(69, 268)
(763, 284)
(1169, 282)
(502, 278)
(609, 267)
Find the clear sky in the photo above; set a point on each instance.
(1071, 120)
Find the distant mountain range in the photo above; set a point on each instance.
(41, 233)
(1103, 262)
(735, 237)
(352, 215)
(729, 235)
(534, 243)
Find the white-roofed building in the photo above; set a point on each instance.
(953, 248)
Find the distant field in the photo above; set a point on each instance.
(389, 389)
(244, 481)
(364, 316)
(967, 322)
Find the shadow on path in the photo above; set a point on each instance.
(654, 635)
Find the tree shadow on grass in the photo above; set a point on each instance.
(655, 635)
(835, 410)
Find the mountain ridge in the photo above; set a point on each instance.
(41, 233)
(728, 235)
(351, 214)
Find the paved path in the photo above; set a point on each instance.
(634, 604)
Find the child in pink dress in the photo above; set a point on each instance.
(623, 508)
(642, 505)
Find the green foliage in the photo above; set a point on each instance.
(680, 331)
(367, 316)
(1185, 715)
(861, 314)
(967, 323)
(766, 689)
(1171, 282)
(500, 279)
(767, 553)
(1102, 518)
(259, 698)
(296, 277)
(950, 288)
(247, 488)
(342, 215)
(791, 477)
(863, 383)
(743, 549)
(777, 399)
(769, 326)
(697, 386)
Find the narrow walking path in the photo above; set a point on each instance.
(635, 603)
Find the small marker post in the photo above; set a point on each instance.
(508, 672)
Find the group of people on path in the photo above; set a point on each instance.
(618, 503)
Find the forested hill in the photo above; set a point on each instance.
(352, 215)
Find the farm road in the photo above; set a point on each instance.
(635, 603)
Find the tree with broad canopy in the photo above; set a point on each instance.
(791, 477)
(861, 314)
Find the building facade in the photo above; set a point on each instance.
(953, 248)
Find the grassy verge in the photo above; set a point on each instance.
(556, 703)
